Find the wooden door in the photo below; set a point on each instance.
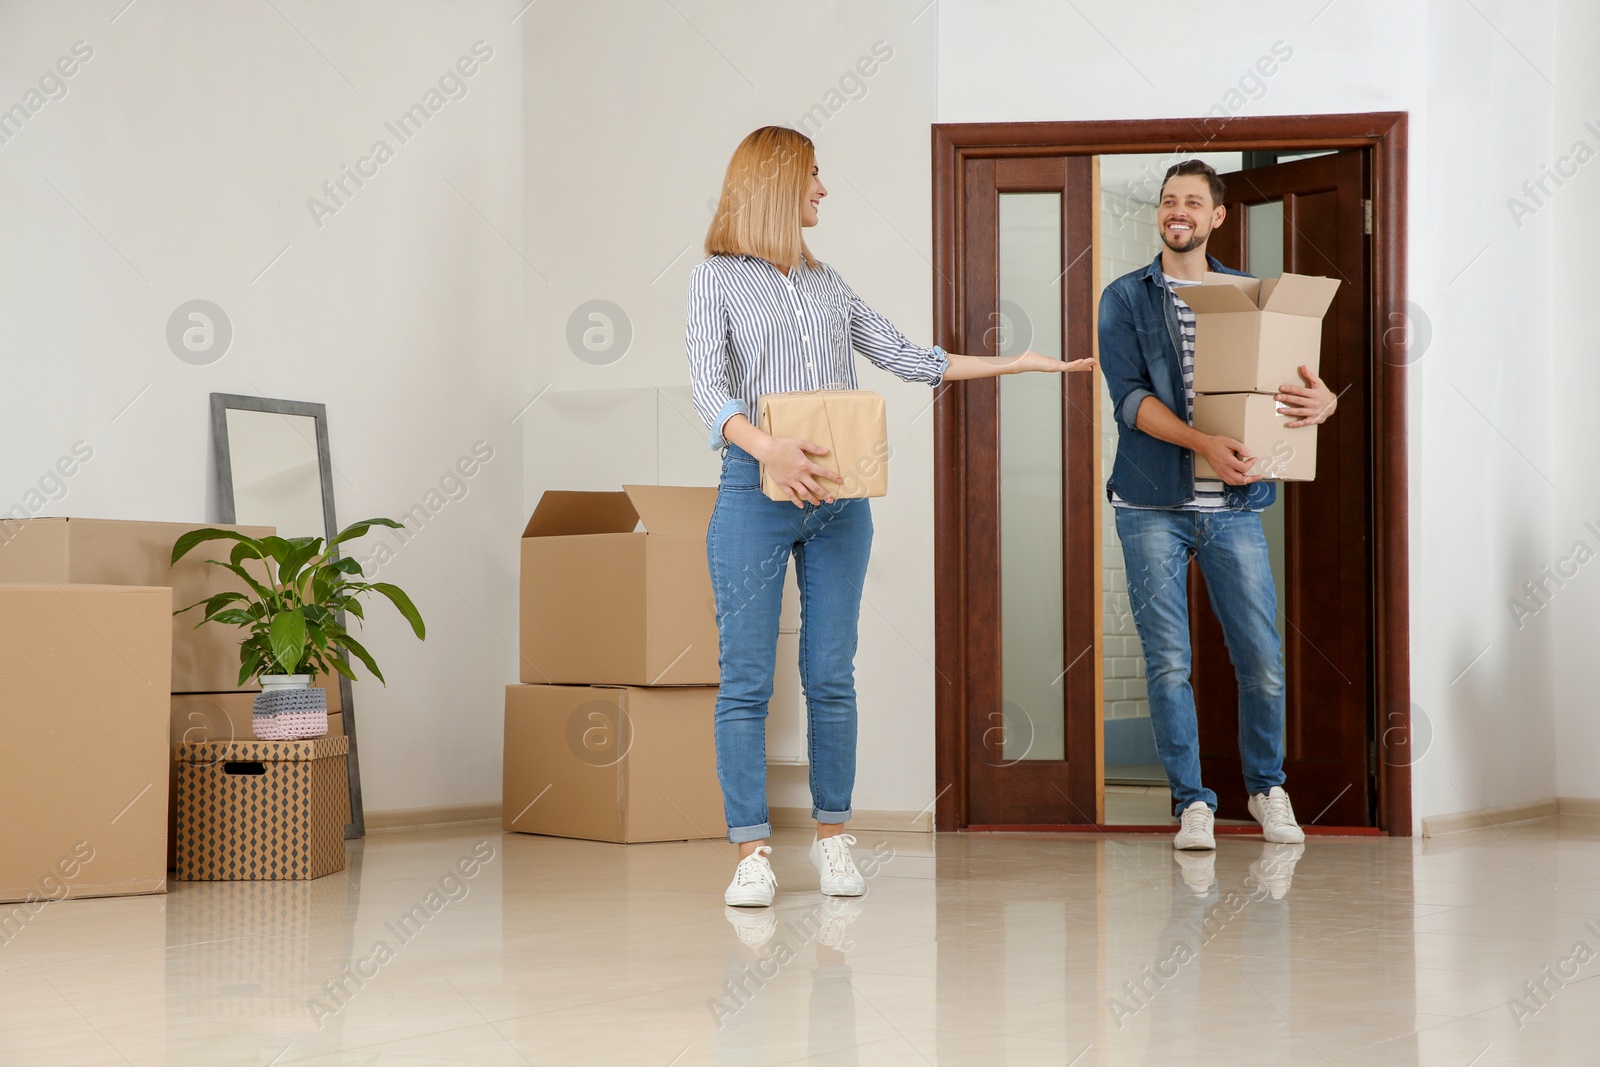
(1029, 764)
(1327, 611)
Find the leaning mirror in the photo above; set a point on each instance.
(273, 469)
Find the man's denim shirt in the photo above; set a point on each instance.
(1139, 345)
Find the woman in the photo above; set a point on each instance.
(765, 316)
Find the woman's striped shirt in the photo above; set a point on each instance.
(751, 330)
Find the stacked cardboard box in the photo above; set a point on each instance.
(1251, 337)
(609, 736)
(83, 707)
(206, 701)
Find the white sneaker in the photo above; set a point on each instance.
(831, 857)
(753, 881)
(1272, 810)
(1195, 830)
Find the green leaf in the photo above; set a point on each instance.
(249, 663)
(338, 664)
(230, 617)
(346, 641)
(359, 529)
(277, 547)
(184, 544)
(398, 597)
(288, 640)
(298, 558)
(260, 590)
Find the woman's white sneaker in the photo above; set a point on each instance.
(831, 857)
(1195, 828)
(753, 881)
(1273, 811)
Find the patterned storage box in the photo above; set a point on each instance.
(255, 810)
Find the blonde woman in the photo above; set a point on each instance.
(766, 316)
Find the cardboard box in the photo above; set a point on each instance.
(1282, 454)
(261, 810)
(850, 423)
(1252, 336)
(612, 763)
(603, 604)
(83, 710)
(215, 717)
(115, 552)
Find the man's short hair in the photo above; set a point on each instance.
(1219, 188)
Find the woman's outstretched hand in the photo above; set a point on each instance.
(1031, 360)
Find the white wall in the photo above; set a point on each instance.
(1480, 404)
(177, 166)
(633, 112)
(1573, 214)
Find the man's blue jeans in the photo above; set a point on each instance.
(748, 544)
(1232, 553)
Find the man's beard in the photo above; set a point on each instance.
(1196, 239)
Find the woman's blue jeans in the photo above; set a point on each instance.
(748, 544)
(1232, 553)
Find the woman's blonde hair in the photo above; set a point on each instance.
(759, 213)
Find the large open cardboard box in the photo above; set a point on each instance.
(83, 708)
(612, 763)
(1252, 336)
(118, 552)
(603, 604)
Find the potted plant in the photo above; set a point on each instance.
(297, 589)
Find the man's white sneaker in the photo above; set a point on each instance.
(1194, 830)
(831, 857)
(1273, 811)
(753, 881)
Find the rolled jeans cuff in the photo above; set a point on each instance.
(738, 835)
(830, 818)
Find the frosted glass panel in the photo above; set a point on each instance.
(1031, 594)
(1263, 233)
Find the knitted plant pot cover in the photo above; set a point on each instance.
(290, 714)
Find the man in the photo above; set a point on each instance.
(1165, 515)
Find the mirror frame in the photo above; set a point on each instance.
(221, 404)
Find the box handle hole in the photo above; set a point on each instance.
(244, 767)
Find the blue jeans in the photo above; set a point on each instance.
(748, 544)
(1232, 553)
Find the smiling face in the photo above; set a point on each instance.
(1186, 215)
(814, 193)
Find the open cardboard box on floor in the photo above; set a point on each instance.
(850, 423)
(84, 713)
(603, 604)
(118, 552)
(612, 763)
(1252, 336)
(1282, 454)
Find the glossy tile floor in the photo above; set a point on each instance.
(989, 950)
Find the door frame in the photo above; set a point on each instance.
(1385, 135)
